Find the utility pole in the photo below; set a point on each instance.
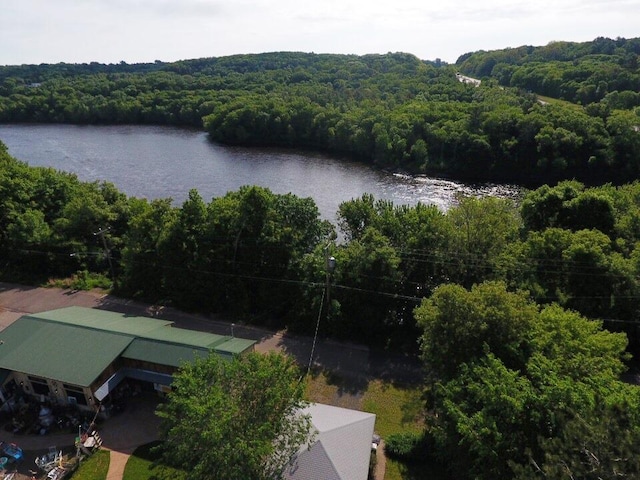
(107, 253)
(330, 266)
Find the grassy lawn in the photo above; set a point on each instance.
(94, 468)
(397, 408)
(141, 467)
(557, 101)
(319, 390)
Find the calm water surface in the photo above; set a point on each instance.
(160, 162)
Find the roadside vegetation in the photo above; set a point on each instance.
(235, 419)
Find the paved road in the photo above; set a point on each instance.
(346, 360)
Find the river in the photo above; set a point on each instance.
(159, 162)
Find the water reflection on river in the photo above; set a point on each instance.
(159, 162)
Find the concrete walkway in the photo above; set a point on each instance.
(117, 463)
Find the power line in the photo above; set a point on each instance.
(395, 295)
(315, 335)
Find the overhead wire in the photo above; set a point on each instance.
(480, 262)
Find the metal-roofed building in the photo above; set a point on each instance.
(78, 355)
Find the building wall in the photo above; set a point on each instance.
(54, 391)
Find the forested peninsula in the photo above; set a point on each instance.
(525, 315)
(394, 110)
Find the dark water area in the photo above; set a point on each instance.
(160, 162)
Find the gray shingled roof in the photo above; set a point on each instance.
(342, 448)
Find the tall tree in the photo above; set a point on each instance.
(237, 420)
(480, 230)
(181, 249)
(512, 385)
(142, 262)
(369, 276)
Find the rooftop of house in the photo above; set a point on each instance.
(342, 446)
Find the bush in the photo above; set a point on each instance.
(407, 447)
(82, 280)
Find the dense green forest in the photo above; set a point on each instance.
(394, 110)
(603, 73)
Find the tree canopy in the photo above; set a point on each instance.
(603, 70)
(516, 391)
(236, 419)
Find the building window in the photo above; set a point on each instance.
(75, 395)
(39, 385)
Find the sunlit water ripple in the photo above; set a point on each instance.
(160, 162)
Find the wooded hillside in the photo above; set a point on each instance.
(395, 110)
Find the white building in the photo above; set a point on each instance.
(342, 447)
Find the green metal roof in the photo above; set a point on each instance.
(203, 340)
(75, 344)
(234, 346)
(185, 337)
(59, 351)
(163, 353)
(103, 320)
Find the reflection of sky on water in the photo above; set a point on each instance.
(406, 189)
(160, 162)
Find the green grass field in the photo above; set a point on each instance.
(398, 409)
(557, 101)
(93, 468)
(141, 466)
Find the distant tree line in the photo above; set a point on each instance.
(393, 110)
(604, 72)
